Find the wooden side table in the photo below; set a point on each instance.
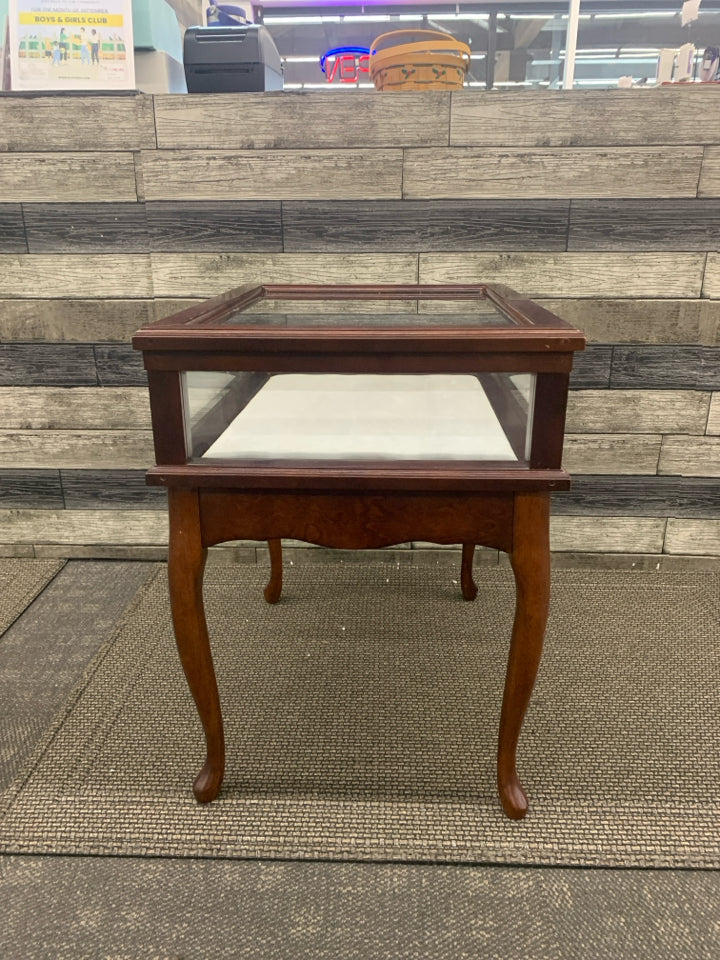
(361, 417)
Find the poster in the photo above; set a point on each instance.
(71, 45)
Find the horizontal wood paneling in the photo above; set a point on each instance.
(690, 456)
(12, 229)
(553, 172)
(641, 321)
(713, 424)
(84, 526)
(87, 408)
(607, 534)
(396, 225)
(643, 496)
(67, 177)
(118, 365)
(672, 366)
(637, 411)
(591, 367)
(92, 227)
(711, 283)
(611, 453)
(637, 225)
(110, 490)
(302, 120)
(86, 276)
(116, 122)
(573, 274)
(666, 115)
(710, 176)
(272, 174)
(693, 537)
(205, 275)
(47, 364)
(215, 226)
(77, 449)
(31, 488)
(73, 320)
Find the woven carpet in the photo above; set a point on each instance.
(20, 582)
(361, 716)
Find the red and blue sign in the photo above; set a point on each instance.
(345, 64)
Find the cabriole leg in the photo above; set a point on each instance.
(186, 565)
(274, 588)
(467, 584)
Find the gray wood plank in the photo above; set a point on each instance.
(591, 367)
(396, 225)
(611, 453)
(214, 226)
(73, 320)
(47, 364)
(92, 227)
(693, 537)
(118, 365)
(302, 120)
(272, 174)
(205, 275)
(637, 225)
(77, 449)
(70, 408)
(710, 173)
(713, 423)
(665, 366)
(666, 115)
(93, 122)
(107, 527)
(79, 177)
(690, 456)
(637, 411)
(12, 229)
(95, 276)
(711, 283)
(592, 275)
(30, 488)
(551, 172)
(110, 490)
(607, 534)
(620, 496)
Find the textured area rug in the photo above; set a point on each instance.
(20, 582)
(361, 716)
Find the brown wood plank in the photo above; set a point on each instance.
(85, 408)
(398, 225)
(690, 456)
(264, 121)
(710, 173)
(12, 229)
(693, 537)
(76, 449)
(98, 123)
(637, 225)
(637, 411)
(83, 320)
(615, 454)
(272, 174)
(91, 227)
(595, 275)
(551, 172)
(76, 276)
(214, 225)
(36, 177)
(666, 115)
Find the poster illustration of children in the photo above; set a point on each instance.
(95, 46)
(84, 47)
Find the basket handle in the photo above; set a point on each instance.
(447, 38)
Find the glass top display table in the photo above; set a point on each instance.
(359, 417)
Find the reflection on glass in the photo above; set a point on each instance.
(328, 417)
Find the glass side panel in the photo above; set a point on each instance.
(241, 417)
(379, 313)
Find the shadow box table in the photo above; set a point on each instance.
(359, 417)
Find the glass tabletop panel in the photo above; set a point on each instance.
(241, 417)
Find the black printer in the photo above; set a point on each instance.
(231, 59)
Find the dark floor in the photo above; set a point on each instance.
(95, 907)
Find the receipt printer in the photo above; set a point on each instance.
(231, 59)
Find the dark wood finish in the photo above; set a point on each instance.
(119, 366)
(591, 368)
(91, 227)
(627, 496)
(186, 564)
(12, 229)
(167, 415)
(425, 225)
(211, 226)
(47, 364)
(30, 489)
(665, 367)
(635, 225)
(109, 490)
(467, 584)
(548, 428)
(274, 586)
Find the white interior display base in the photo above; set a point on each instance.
(352, 416)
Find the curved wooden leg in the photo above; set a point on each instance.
(274, 588)
(185, 572)
(530, 560)
(467, 584)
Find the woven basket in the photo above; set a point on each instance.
(437, 62)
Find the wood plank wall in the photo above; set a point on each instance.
(604, 205)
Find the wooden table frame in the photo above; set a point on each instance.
(361, 504)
